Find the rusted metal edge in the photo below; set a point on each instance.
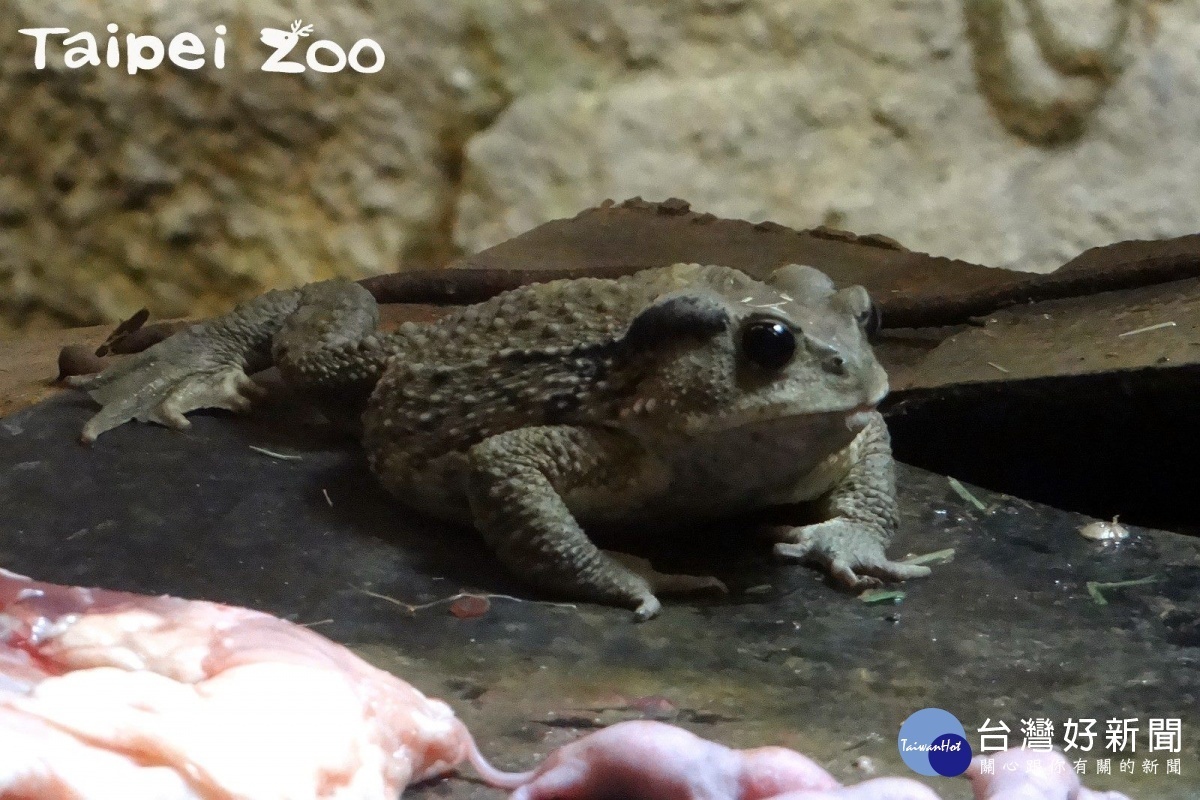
(905, 400)
(912, 289)
(1116, 267)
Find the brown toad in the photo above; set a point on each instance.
(671, 395)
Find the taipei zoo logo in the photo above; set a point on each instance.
(292, 50)
(933, 742)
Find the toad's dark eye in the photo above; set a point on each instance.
(768, 343)
(871, 320)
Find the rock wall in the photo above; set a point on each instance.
(1010, 132)
(186, 190)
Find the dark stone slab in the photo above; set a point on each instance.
(1079, 402)
(1007, 630)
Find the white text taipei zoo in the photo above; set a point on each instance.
(138, 52)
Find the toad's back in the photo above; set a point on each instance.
(540, 355)
(572, 313)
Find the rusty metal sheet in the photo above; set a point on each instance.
(1150, 327)
(912, 289)
(615, 239)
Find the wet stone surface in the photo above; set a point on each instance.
(1006, 630)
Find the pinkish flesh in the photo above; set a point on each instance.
(643, 759)
(112, 694)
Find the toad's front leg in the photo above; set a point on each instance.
(517, 485)
(861, 517)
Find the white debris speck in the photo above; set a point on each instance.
(1104, 531)
(1146, 329)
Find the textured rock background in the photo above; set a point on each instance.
(1011, 132)
(186, 190)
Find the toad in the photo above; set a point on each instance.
(672, 395)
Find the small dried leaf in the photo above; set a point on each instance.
(127, 327)
(965, 494)
(653, 706)
(470, 606)
(75, 359)
(875, 596)
(935, 557)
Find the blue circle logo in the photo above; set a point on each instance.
(933, 742)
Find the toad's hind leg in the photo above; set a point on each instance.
(516, 487)
(319, 335)
(329, 349)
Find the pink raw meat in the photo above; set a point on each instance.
(876, 789)
(656, 761)
(108, 694)
(653, 760)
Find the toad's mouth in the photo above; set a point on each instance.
(856, 416)
(784, 419)
(859, 417)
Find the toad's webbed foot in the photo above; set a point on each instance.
(206, 365)
(319, 337)
(851, 551)
(162, 387)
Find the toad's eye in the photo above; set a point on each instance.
(870, 320)
(768, 343)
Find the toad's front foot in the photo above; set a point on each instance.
(161, 385)
(851, 551)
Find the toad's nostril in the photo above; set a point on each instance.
(835, 364)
